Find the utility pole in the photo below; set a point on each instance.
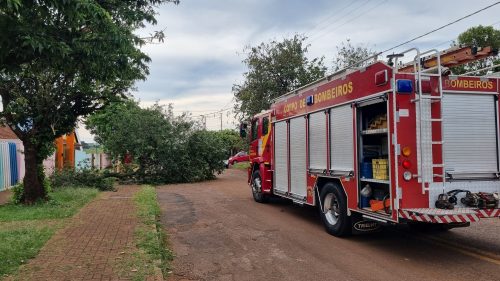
(221, 121)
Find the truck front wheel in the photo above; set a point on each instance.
(258, 196)
(333, 210)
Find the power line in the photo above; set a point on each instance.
(226, 107)
(352, 19)
(327, 18)
(337, 19)
(214, 112)
(188, 110)
(441, 27)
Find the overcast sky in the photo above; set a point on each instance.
(200, 60)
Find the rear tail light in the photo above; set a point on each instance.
(406, 164)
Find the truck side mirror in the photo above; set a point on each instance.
(243, 130)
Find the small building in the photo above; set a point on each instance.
(65, 151)
(11, 158)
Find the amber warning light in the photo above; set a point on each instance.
(406, 151)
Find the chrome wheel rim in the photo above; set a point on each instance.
(257, 185)
(331, 208)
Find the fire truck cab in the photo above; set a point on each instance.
(385, 143)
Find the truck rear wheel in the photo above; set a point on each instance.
(333, 210)
(258, 196)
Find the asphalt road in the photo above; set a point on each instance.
(218, 232)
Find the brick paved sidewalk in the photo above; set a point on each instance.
(91, 246)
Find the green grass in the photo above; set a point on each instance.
(151, 241)
(25, 229)
(241, 165)
(19, 245)
(64, 203)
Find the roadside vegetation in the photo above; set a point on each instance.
(154, 146)
(25, 229)
(152, 250)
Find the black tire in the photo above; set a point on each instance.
(334, 212)
(256, 185)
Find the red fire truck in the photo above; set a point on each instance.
(385, 143)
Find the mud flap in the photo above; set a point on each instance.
(363, 226)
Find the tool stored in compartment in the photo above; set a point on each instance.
(377, 205)
(481, 200)
(470, 199)
(443, 202)
(488, 200)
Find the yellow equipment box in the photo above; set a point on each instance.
(380, 169)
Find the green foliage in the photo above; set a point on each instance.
(165, 148)
(84, 177)
(206, 151)
(274, 69)
(18, 191)
(62, 60)
(232, 141)
(480, 36)
(349, 54)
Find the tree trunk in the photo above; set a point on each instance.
(33, 178)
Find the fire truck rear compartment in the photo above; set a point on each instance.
(373, 158)
(470, 146)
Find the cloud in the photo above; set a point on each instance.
(200, 59)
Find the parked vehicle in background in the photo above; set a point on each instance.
(241, 156)
(386, 143)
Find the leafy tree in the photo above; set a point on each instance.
(274, 69)
(480, 36)
(166, 148)
(206, 152)
(349, 54)
(61, 60)
(232, 141)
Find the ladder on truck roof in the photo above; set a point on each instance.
(454, 56)
(424, 66)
